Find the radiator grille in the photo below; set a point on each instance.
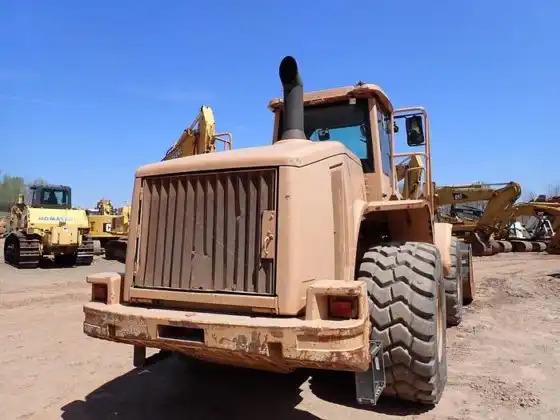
(202, 232)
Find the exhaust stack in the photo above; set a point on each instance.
(293, 100)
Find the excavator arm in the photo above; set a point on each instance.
(495, 218)
(498, 210)
(199, 137)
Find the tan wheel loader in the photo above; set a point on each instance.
(300, 254)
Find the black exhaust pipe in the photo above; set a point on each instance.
(292, 126)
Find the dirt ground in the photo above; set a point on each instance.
(504, 360)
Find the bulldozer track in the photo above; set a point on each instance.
(21, 251)
(84, 253)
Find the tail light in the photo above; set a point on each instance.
(99, 292)
(343, 307)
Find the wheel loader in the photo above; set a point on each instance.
(300, 254)
(47, 225)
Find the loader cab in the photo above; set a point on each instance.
(363, 119)
(51, 196)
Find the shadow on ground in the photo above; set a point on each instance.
(338, 388)
(176, 388)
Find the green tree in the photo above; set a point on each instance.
(10, 187)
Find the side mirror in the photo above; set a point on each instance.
(324, 134)
(414, 131)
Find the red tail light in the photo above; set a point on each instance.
(343, 307)
(99, 292)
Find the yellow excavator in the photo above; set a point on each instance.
(483, 229)
(200, 137)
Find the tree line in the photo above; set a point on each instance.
(11, 187)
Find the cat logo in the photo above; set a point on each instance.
(459, 196)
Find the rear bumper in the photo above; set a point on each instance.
(269, 343)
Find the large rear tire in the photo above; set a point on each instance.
(454, 286)
(407, 310)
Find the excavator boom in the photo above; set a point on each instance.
(199, 137)
(498, 209)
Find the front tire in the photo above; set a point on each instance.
(407, 311)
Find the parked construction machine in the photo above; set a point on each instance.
(109, 229)
(496, 227)
(47, 225)
(482, 230)
(100, 222)
(200, 137)
(544, 234)
(303, 253)
(115, 248)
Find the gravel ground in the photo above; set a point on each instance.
(504, 360)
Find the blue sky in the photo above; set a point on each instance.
(89, 91)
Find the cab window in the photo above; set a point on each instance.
(52, 197)
(344, 122)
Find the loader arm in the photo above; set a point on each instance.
(199, 137)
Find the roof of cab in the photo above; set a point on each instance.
(319, 97)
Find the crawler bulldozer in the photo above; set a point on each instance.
(47, 225)
(300, 254)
